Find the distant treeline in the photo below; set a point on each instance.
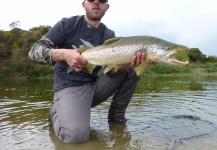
(15, 45)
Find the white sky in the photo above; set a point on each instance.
(192, 23)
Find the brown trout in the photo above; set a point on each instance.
(117, 51)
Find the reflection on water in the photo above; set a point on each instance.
(174, 112)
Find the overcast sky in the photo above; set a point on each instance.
(192, 23)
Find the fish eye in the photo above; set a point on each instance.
(167, 48)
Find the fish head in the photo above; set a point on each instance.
(164, 52)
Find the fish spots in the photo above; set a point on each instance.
(122, 51)
(155, 49)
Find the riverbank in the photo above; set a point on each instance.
(39, 71)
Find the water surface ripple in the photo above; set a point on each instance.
(165, 113)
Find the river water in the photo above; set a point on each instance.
(165, 113)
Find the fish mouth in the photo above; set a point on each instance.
(171, 60)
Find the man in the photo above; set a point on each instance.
(77, 91)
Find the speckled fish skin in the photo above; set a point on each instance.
(117, 51)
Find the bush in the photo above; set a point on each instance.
(4, 53)
(19, 66)
(165, 69)
(39, 70)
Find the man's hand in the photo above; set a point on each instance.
(75, 60)
(136, 60)
(139, 58)
(72, 57)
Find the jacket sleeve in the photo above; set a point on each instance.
(41, 51)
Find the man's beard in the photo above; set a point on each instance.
(94, 18)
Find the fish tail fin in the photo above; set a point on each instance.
(90, 67)
(140, 68)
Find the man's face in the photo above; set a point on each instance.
(95, 10)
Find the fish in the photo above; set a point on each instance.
(120, 50)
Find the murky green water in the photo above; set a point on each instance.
(176, 112)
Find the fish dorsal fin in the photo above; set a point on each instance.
(111, 40)
(86, 43)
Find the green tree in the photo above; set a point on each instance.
(212, 59)
(4, 52)
(195, 55)
(14, 24)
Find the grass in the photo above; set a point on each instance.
(162, 69)
(24, 68)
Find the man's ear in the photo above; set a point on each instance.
(107, 7)
(83, 4)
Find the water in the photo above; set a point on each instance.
(165, 113)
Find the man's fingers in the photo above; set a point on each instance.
(138, 58)
(77, 68)
(143, 57)
(133, 62)
(82, 60)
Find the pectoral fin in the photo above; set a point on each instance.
(110, 67)
(101, 70)
(69, 69)
(140, 68)
(90, 67)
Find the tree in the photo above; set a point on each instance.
(4, 52)
(14, 24)
(196, 55)
(212, 59)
